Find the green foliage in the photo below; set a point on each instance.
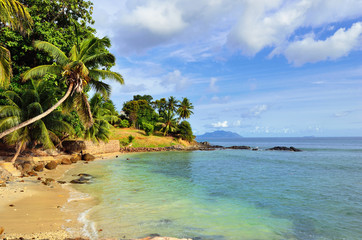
(58, 22)
(27, 104)
(185, 131)
(148, 128)
(139, 111)
(124, 123)
(130, 138)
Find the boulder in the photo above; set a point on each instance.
(51, 165)
(48, 181)
(66, 161)
(88, 157)
(39, 167)
(76, 158)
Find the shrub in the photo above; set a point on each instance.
(148, 128)
(124, 123)
(130, 138)
(185, 131)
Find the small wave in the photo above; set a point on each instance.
(89, 227)
(77, 196)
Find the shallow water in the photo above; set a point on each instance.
(232, 194)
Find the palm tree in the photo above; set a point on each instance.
(102, 115)
(167, 123)
(14, 15)
(24, 106)
(184, 110)
(79, 68)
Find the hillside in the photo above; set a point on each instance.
(142, 140)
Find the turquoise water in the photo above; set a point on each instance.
(232, 194)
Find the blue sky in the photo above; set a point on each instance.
(259, 68)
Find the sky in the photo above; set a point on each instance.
(260, 68)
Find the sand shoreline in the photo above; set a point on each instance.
(32, 210)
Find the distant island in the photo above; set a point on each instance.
(220, 134)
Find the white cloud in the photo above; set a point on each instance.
(175, 81)
(223, 124)
(340, 44)
(237, 123)
(212, 86)
(255, 111)
(197, 29)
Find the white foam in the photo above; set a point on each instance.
(89, 227)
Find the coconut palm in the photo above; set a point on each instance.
(14, 15)
(24, 106)
(100, 130)
(167, 123)
(78, 69)
(184, 110)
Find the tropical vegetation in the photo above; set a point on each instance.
(50, 60)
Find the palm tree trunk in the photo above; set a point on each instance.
(40, 116)
(17, 152)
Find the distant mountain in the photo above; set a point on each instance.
(220, 134)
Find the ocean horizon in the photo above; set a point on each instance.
(230, 194)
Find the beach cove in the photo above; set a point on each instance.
(225, 194)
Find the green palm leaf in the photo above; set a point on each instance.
(57, 54)
(41, 71)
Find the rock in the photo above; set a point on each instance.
(39, 167)
(48, 181)
(240, 147)
(32, 174)
(84, 178)
(2, 184)
(51, 165)
(255, 149)
(283, 148)
(75, 158)
(1, 230)
(61, 182)
(66, 161)
(88, 157)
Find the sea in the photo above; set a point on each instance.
(314, 194)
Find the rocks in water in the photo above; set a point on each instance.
(240, 147)
(61, 182)
(84, 178)
(66, 161)
(283, 148)
(51, 165)
(39, 167)
(88, 157)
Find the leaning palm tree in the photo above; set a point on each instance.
(184, 110)
(20, 107)
(78, 69)
(14, 15)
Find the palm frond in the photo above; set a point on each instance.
(40, 133)
(15, 15)
(57, 54)
(12, 98)
(100, 87)
(102, 58)
(5, 67)
(41, 71)
(9, 122)
(96, 73)
(9, 110)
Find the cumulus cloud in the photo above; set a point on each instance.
(248, 26)
(312, 50)
(223, 124)
(175, 80)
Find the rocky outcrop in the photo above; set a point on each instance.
(239, 147)
(39, 167)
(84, 178)
(283, 148)
(76, 158)
(51, 165)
